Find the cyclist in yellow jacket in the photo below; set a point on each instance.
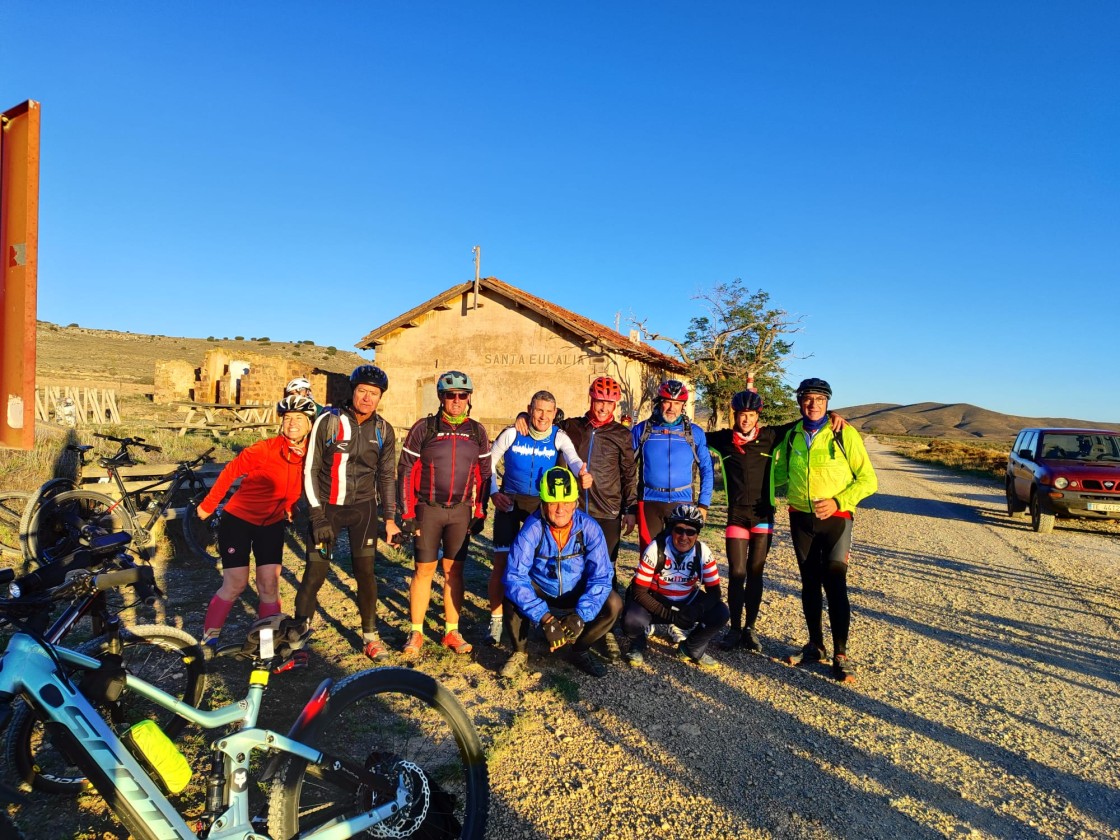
(825, 474)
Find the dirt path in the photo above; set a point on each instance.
(986, 704)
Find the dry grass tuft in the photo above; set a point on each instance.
(984, 458)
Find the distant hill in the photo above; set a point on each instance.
(956, 420)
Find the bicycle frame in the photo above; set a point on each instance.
(27, 669)
(181, 475)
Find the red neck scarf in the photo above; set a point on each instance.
(595, 423)
(739, 441)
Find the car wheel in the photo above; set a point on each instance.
(1040, 521)
(1014, 506)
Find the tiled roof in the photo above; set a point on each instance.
(585, 328)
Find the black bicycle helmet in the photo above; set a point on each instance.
(814, 386)
(284, 643)
(369, 375)
(746, 401)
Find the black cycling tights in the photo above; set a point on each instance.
(745, 560)
(822, 548)
(315, 574)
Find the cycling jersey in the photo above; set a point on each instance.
(447, 468)
(681, 575)
(271, 474)
(666, 460)
(535, 559)
(822, 469)
(351, 462)
(525, 459)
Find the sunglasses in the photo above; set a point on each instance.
(456, 395)
(685, 532)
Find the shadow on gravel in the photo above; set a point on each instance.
(931, 508)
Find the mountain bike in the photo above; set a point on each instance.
(389, 751)
(55, 527)
(160, 654)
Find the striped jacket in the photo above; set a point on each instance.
(349, 463)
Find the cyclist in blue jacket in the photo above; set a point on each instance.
(668, 446)
(524, 459)
(559, 577)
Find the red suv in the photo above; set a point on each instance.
(1064, 473)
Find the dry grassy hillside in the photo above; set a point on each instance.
(957, 420)
(126, 361)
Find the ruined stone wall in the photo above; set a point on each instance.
(213, 382)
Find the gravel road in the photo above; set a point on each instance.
(986, 704)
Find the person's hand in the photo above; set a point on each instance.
(202, 515)
(521, 423)
(824, 508)
(502, 501)
(391, 531)
(703, 512)
(681, 617)
(573, 626)
(585, 479)
(321, 530)
(553, 632)
(629, 523)
(836, 422)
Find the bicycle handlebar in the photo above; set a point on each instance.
(130, 441)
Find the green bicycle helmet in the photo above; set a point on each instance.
(559, 485)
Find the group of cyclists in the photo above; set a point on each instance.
(565, 492)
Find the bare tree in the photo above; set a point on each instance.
(740, 336)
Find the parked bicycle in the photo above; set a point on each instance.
(55, 528)
(388, 751)
(165, 656)
(47, 491)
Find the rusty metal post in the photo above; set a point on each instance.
(19, 262)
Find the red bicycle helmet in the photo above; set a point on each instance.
(673, 389)
(605, 388)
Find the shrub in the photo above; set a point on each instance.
(211, 338)
(69, 326)
(263, 338)
(239, 338)
(332, 350)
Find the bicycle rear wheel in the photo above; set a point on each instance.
(49, 489)
(163, 656)
(12, 506)
(201, 536)
(57, 526)
(395, 722)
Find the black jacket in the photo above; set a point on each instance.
(348, 463)
(608, 452)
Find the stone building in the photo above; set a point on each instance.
(511, 344)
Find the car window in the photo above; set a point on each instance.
(1061, 445)
(1028, 443)
(1103, 448)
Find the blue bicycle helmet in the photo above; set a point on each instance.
(369, 375)
(746, 401)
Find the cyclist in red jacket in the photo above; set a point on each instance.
(254, 520)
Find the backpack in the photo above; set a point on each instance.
(431, 430)
(661, 558)
(647, 430)
(378, 424)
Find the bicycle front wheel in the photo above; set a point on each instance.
(166, 657)
(58, 524)
(201, 536)
(399, 724)
(49, 489)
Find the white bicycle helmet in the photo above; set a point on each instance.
(297, 384)
(300, 403)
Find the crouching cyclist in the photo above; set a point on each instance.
(559, 578)
(677, 582)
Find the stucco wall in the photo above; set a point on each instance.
(509, 352)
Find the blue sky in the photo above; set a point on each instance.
(933, 187)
